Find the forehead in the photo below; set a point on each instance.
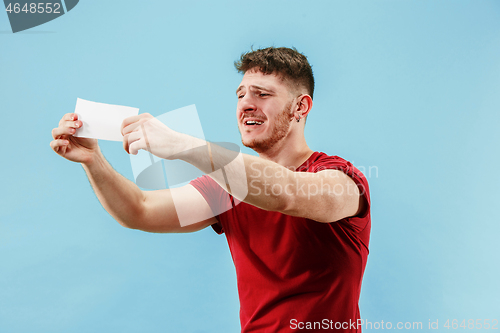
(258, 79)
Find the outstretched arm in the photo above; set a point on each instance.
(325, 196)
(154, 211)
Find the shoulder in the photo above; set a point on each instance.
(322, 162)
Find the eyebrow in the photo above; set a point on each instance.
(254, 86)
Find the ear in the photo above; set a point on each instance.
(303, 106)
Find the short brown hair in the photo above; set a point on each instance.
(286, 62)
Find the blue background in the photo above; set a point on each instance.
(408, 88)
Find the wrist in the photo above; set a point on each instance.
(93, 159)
(187, 147)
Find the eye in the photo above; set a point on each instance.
(240, 96)
(263, 95)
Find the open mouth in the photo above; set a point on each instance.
(253, 122)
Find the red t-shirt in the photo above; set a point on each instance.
(294, 273)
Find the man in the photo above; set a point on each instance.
(297, 221)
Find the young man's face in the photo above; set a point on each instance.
(264, 110)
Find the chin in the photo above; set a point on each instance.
(258, 146)
(250, 143)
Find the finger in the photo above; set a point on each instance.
(68, 116)
(57, 132)
(125, 143)
(131, 123)
(135, 146)
(56, 144)
(72, 123)
(134, 126)
(130, 138)
(135, 135)
(67, 128)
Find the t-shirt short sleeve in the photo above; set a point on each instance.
(218, 199)
(359, 221)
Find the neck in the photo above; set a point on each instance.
(289, 155)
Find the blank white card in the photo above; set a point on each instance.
(102, 121)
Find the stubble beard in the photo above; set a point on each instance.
(279, 131)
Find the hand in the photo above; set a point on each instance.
(148, 133)
(72, 148)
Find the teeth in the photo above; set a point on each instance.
(253, 122)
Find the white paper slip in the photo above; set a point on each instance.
(102, 121)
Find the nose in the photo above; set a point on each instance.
(246, 104)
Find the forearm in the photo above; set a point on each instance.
(248, 178)
(121, 198)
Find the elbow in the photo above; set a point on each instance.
(132, 217)
(129, 223)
